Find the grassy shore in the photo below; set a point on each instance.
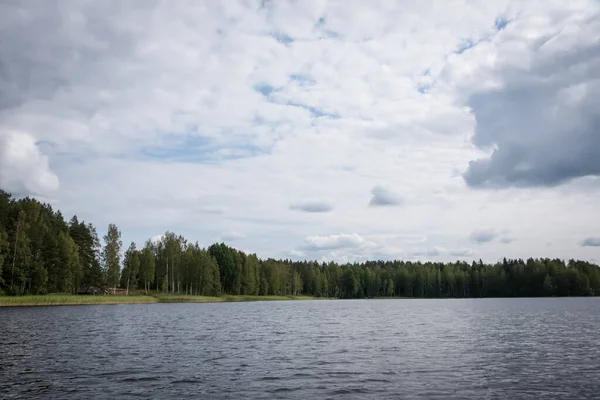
(55, 300)
(69, 299)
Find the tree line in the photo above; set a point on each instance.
(41, 252)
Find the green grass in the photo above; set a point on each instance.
(67, 299)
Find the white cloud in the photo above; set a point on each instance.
(156, 238)
(24, 170)
(331, 242)
(211, 118)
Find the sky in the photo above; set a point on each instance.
(322, 130)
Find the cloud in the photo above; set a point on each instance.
(296, 254)
(507, 240)
(24, 170)
(204, 119)
(430, 252)
(591, 242)
(312, 206)
(483, 236)
(232, 236)
(461, 253)
(384, 197)
(539, 114)
(438, 251)
(156, 238)
(335, 242)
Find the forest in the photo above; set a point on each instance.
(41, 253)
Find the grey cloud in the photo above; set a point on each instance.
(384, 197)
(544, 122)
(432, 252)
(483, 236)
(80, 49)
(461, 253)
(232, 235)
(507, 240)
(312, 206)
(591, 242)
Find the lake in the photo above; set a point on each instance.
(350, 349)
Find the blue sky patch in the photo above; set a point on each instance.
(465, 45)
(500, 23)
(302, 79)
(423, 88)
(201, 150)
(264, 88)
(282, 38)
(327, 33)
(316, 112)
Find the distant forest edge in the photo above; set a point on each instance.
(42, 253)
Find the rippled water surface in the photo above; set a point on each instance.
(396, 349)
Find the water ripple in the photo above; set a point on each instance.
(385, 349)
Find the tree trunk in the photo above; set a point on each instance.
(12, 274)
(173, 278)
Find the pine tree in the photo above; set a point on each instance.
(88, 247)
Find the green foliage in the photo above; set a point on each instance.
(88, 246)
(39, 278)
(112, 255)
(69, 272)
(169, 252)
(131, 268)
(3, 252)
(225, 257)
(250, 273)
(147, 265)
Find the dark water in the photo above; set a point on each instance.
(384, 349)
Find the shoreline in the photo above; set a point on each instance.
(83, 300)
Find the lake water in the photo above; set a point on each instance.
(352, 349)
